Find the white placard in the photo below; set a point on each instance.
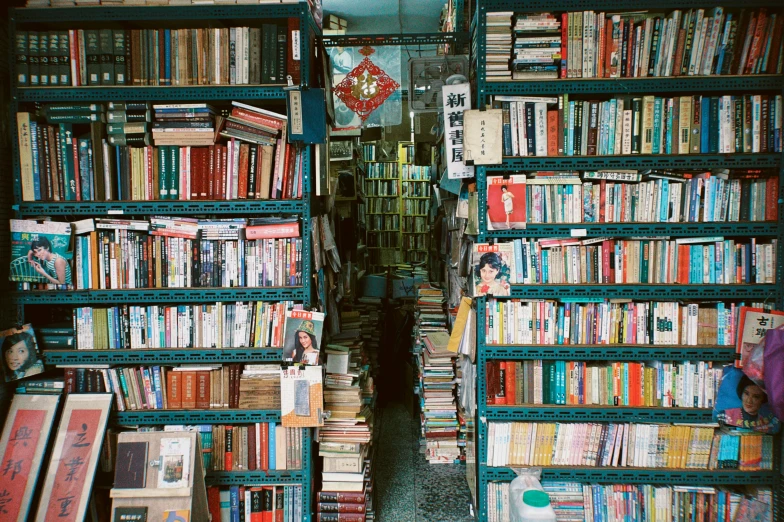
(457, 99)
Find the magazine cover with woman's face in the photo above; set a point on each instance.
(506, 203)
(20, 353)
(492, 268)
(40, 253)
(302, 336)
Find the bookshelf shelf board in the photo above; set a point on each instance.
(610, 5)
(113, 208)
(756, 229)
(156, 13)
(154, 93)
(640, 475)
(216, 416)
(159, 295)
(702, 84)
(245, 478)
(166, 356)
(607, 352)
(382, 179)
(643, 291)
(577, 413)
(639, 161)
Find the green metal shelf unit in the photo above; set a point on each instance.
(770, 293)
(143, 16)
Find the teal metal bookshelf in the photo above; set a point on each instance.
(272, 96)
(770, 293)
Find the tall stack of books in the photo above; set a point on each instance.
(184, 124)
(537, 47)
(499, 45)
(128, 123)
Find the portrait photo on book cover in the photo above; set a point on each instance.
(743, 404)
(20, 353)
(492, 269)
(40, 252)
(506, 202)
(302, 336)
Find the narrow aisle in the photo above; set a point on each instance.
(408, 489)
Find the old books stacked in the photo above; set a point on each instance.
(259, 387)
(499, 45)
(537, 47)
(184, 124)
(128, 123)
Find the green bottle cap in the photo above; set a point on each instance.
(536, 498)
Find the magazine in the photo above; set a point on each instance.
(506, 202)
(40, 253)
(301, 397)
(20, 353)
(302, 336)
(493, 268)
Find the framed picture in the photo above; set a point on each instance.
(77, 448)
(341, 150)
(40, 253)
(20, 353)
(302, 336)
(22, 446)
(301, 396)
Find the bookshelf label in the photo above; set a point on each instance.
(579, 232)
(114, 211)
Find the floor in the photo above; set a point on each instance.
(439, 492)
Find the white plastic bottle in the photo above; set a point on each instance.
(529, 502)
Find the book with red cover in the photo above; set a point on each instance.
(213, 166)
(340, 517)
(280, 504)
(272, 231)
(174, 384)
(188, 390)
(509, 384)
(242, 175)
(228, 454)
(202, 390)
(264, 446)
(213, 502)
(340, 497)
(341, 507)
(256, 507)
(552, 133)
(252, 447)
(267, 504)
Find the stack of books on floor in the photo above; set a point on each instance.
(437, 378)
(499, 45)
(537, 47)
(345, 441)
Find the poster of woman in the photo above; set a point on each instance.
(302, 336)
(493, 266)
(743, 404)
(506, 202)
(40, 253)
(20, 353)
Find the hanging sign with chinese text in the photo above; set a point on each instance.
(457, 99)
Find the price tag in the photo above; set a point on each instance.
(579, 232)
(114, 211)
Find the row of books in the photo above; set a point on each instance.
(381, 187)
(198, 56)
(416, 190)
(414, 242)
(131, 259)
(369, 152)
(384, 239)
(416, 207)
(696, 42)
(117, 162)
(262, 446)
(415, 225)
(645, 384)
(626, 445)
(515, 321)
(377, 206)
(278, 503)
(379, 223)
(619, 261)
(216, 325)
(184, 387)
(410, 172)
(648, 197)
(381, 170)
(558, 126)
(575, 502)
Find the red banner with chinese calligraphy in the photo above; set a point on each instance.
(73, 466)
(18, 461)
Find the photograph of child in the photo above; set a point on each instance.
(743, 404)
(302, 336)
(20, 353)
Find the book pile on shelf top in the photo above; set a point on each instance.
(346, 440)
(694, 42)
(112, 158)
(498, 45)
(563, 126)
(436, 368)
(166, 57)
(573, 501)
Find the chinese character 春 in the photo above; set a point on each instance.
(762, 320)
(457, 155)
(455, 100)
(456, 136)
(81, 438)
(65, 504)
(14, 466)
(455, 119)
(73, 467)
(22, 435)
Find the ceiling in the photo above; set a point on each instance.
(382, 16)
